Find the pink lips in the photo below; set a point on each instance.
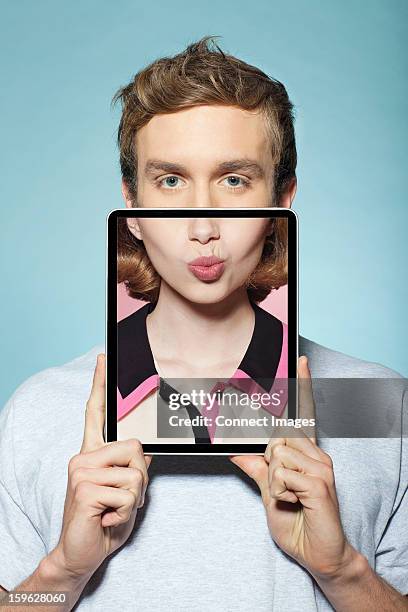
(207, 268)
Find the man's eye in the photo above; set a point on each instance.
(170, 182)
(236, 181)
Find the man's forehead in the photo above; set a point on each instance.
(208, 134)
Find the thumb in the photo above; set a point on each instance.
(307, 409)
(95, 409)
(256, 468)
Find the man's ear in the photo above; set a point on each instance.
(288, 195)
(126, 194)
(132, 223)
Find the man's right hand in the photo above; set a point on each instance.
(106, 485)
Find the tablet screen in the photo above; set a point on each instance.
(202, 327)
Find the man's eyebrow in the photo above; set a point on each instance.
(153, 165)
(233, 165)
(242, 165)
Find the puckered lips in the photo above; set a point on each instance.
(207, 268)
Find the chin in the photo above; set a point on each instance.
(207, 295)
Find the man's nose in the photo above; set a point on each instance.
(201, 196)
(203, 229)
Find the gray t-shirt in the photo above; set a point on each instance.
(201, 541)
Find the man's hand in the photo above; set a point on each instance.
(297, 484)
(106, 485)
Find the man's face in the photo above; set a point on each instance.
(205, 156)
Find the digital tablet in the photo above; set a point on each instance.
(201, 328)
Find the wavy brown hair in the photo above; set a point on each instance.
(143, 282)
(204, 74)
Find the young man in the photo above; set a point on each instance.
(200, 129)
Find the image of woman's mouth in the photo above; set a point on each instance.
(207, 268)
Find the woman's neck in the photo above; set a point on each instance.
(195, 340)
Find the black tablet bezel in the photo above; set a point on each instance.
(111, 317)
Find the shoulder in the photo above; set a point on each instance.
(325, 362)
(360, 402)
(359, 397)
(68, 378)
(50, 402)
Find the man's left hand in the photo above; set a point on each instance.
(296, 480)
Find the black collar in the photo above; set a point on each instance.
(136, 364)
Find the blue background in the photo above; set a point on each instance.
(344, 65)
